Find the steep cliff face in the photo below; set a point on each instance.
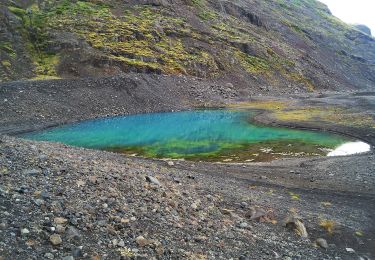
(277, 44)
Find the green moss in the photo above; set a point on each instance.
(143, 38)
(203, 12)
(7, 47)
(17, 11)
(6, 64)
(226, 152)
(45, 67)
(252, 64)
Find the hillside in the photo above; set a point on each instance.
(288, 45)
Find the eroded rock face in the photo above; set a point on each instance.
(283, 44)
(363, 28)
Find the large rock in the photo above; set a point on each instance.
(363, 28)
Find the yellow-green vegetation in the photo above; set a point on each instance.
(7, 47)
(261, 104)
(229, 31)
(45, 67)
(203, 12)
(142, 37)
(294, 196)
(147, 38)
(325, 114)
(292, 112)
(252, 64)
(328, 225)
(6, 64)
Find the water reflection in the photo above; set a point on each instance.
(350, 148)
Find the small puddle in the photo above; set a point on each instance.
(202, 135)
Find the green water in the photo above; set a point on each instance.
(208, 135)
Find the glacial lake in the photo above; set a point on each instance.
(202, 135)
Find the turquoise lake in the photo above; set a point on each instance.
(207, 135)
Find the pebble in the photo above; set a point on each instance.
(121, 243)
(49, 256)
(77, 252)
(25, 232)
(31, 172)
(244, 204)
(141, 241)
(68, 257)
(243, 225)
(322, 243)
(55, 239)
(73, 234)
(60, 220)
(153, 180)
(39, 202)
(3, 225)
(60, 229)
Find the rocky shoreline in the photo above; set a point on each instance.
(61, 202)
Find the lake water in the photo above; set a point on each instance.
(207, 135)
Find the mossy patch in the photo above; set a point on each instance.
(252, 64)
(292, 112)
(226, 152)
(144, 37)
(330, 115)
(266, 105)
(8, 49)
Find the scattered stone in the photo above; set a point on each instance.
(170, 163)
(73, 234)
(3, 225)
(60, 229)
(45, 195)
(322, 243)
(200, 238)
(244, 204)
(141, 241)
(68, 257)
(25, 232)
(153, 180)
(243, 225)
(60, 220)
(49, 256)
(39, 202)
(350, 250)
(256, 213)
(159, 249)
(55, 239)
(31, 172)
(121, 243)
(77, 252)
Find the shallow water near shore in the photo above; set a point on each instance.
(206, 135)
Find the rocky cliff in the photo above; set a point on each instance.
(295, 46)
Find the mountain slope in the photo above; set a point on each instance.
(279, 44)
